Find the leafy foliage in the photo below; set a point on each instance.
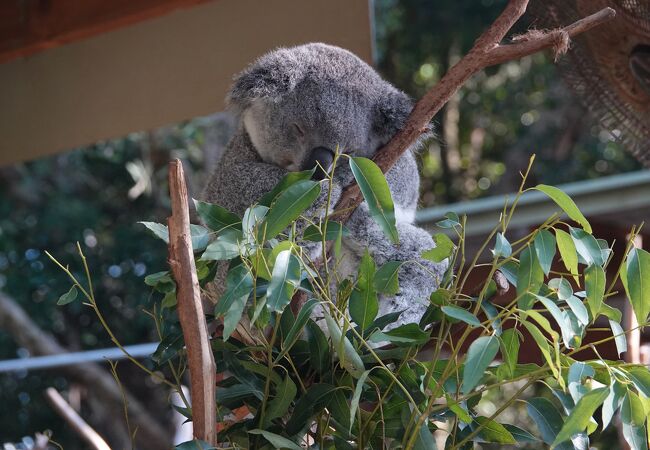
(339, 376)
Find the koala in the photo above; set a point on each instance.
(297, 106)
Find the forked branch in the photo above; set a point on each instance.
(487, 51)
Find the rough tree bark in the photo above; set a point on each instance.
(203, 370)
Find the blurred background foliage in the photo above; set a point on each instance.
(95, 195)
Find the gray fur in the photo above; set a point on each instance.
(293, 100)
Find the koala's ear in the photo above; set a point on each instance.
(392, 110)
(270, 77)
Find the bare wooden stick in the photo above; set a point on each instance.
(190, 310)
(75, 421)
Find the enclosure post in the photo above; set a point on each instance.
(201, 363)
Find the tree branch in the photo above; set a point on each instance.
(200, 360)
(486, 52)
(75, 421)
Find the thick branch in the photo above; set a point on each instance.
(190, 310)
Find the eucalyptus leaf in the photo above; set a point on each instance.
(319, 350)
(239, 285)
(638, 283)
(284, 395)
(567, 250)
(567, 205)
(595, 287)
(510, 349)
(493, 431)
(587, 246)
(215, 217)
(387, 278)
(375, 190)
(530, 278)
(581, 414)
(546, 417)
(479, 356)
(502, 247)
(298, 326)
(278, 442)
(461, 314)
(545, 249)
(636, 437)
(225, 247)
(619, 337)
(348, 356)
(612, 402)
(284, 280)
(331, 233)
(443, 249)
(68, 297)
(287, 207)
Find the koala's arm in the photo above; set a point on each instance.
(241, 177)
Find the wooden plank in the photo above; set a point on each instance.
(27, 27)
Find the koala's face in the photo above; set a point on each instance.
(302, 104)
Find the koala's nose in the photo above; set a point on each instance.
(320, 158)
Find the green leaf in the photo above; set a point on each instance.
(578, 309)
(374, 188)
(568, 253)
(239, 285)
(348, 356)
(619, 337)
(493, 431)
(492, 314)
(287, 181)
(68, 297)
(332, 231)
(560, 318)
(284, 280)
(215, 217)
(457, 409)
(510, 349)
(288, 206)
(276, 440)
(632, 412)
(225, 247)
(284, 395)
(313, 401)
(194, 445)
(545, 249)
(640, 376)
(612, 402)
(198, 234)
(577, 372)
(521, 436)
(562, 286)
(565, 202)
(587, 246)
(297, 327)
(502, 247)
(543, 346)
(363, 304)
(638, 283)
(581, 414)
(546, 417)
(386, 278)
(595, 287)
(339, 409)
(451, 220)
(636, 437)
(354, 404)
(443, 249)
(409, 333)
(479, 356)
(158, 229)
(530, 278)
(461, 314)
(319, 349)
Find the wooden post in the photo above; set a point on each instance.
(202, 367)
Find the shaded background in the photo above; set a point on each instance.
(95, 195)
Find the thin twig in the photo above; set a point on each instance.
(75, 421)
(201, 363)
